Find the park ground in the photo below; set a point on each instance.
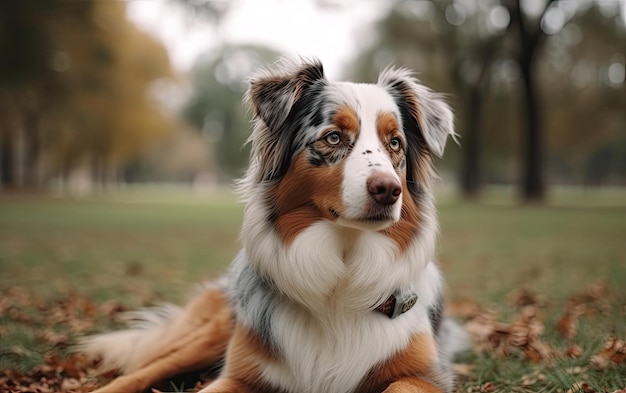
(541, 289)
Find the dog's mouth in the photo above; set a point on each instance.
(373, 214)
(378, 214)
(377, 218)
(374, 218)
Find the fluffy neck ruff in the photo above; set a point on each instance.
(329, 267)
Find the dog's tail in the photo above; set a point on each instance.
(452, 339)
(127, 350)
(166, 341)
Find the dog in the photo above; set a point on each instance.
(335, 288)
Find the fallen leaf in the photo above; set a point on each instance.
(488, 387)
(613, 352)
(574, 351)
(525, 297)
(581, 386)
(598, 362)
(594, 300)
(568, 324)
(538, 352)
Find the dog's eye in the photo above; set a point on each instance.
(333, 138)
(395, 143)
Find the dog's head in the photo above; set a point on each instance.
(359, 155)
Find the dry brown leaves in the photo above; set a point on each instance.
(72, 310)
(612, 353)
(525, 296)
(522, 336)
(55, 322)
(593, 301)
(70, 374)
(519, 337)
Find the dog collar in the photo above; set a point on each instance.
(398, 303)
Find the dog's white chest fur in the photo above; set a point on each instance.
(327, 334)
(333, 357)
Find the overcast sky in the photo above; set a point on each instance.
(333, 34)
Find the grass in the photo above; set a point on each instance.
(100, 244)
(149, 245)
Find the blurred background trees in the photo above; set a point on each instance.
(534, 85)
(74, 91)
(538, 88)
(215, 107)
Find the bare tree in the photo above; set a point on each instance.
(530, 37)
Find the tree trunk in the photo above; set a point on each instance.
(32, 150)
(470, 170)
(7, 159)
(532, 185)
(7, 141)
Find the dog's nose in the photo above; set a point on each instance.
(384, 188)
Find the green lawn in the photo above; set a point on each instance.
(144, 246)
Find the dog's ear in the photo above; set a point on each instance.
(420, 107)
(275, 96)
(427, 121)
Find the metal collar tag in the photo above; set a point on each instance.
(398, 303)
(404, 302)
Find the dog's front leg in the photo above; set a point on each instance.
(412, 385)
(242, 369)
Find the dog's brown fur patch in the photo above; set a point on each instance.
(347, 119)
(304, 196)
(242, 371)
(196, 340)
(387, 128)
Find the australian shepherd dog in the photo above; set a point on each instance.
(335, 288)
